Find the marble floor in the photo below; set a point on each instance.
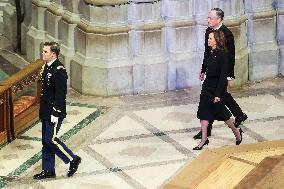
(137, 141)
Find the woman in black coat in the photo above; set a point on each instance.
(211, 105)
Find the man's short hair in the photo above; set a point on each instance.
(219, 13)
(54, 47)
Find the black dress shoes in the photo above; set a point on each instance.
(238, 142)
(199, 134)
(74, 166)
(200, 147)
(240, 119)
(45, 174)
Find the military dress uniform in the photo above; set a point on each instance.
(53, 102)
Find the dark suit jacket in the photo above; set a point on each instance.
(54, 90)
(230, 45)
(216, 68)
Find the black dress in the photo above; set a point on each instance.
(214, 85)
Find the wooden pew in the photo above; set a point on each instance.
(4, 115)
(23, 94)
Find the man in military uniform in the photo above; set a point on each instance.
(52, 112)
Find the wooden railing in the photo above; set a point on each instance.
(4, 114)
(20, 95)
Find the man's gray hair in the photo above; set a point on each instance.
(219, 12)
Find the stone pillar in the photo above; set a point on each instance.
(147, 47)
(25, 25)
(101, 65)
(182, 41)
(10, 23)
(263, 49)
(37, 31)
(53, 15)
(279, 5)
(67, 26)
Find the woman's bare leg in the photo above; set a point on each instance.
(235, 130)
(204, 125)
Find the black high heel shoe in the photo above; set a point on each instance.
(238, 142)
(200, 147)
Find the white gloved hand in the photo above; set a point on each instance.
(54, 119)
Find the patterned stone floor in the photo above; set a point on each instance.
(138, 141)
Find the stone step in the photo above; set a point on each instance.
(233, 167)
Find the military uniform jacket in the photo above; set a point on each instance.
(54, 90)
(230, 45)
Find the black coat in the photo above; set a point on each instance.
(54, 90)
(230, 46)
(216, 68)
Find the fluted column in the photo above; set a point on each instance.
(263, 49)
(37, 30)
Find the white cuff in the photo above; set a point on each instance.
(54, 119)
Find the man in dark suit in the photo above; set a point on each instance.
(52, 112)
(215, 19)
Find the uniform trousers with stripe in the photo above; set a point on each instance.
(52, 145)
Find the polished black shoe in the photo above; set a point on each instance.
(199, 134)
(45, 174)
(200, 147)
(238, 142)
(74, 166)
(240, 119)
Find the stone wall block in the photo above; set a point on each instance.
(183, 9)
(145, 12)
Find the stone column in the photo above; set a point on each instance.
(37, 31)
(25, 25)
(53, 15)
(263, 49)
(10, 23)
(279, 5)
(67, 26)
(147, 47)
(182, 41)
(101, 65)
